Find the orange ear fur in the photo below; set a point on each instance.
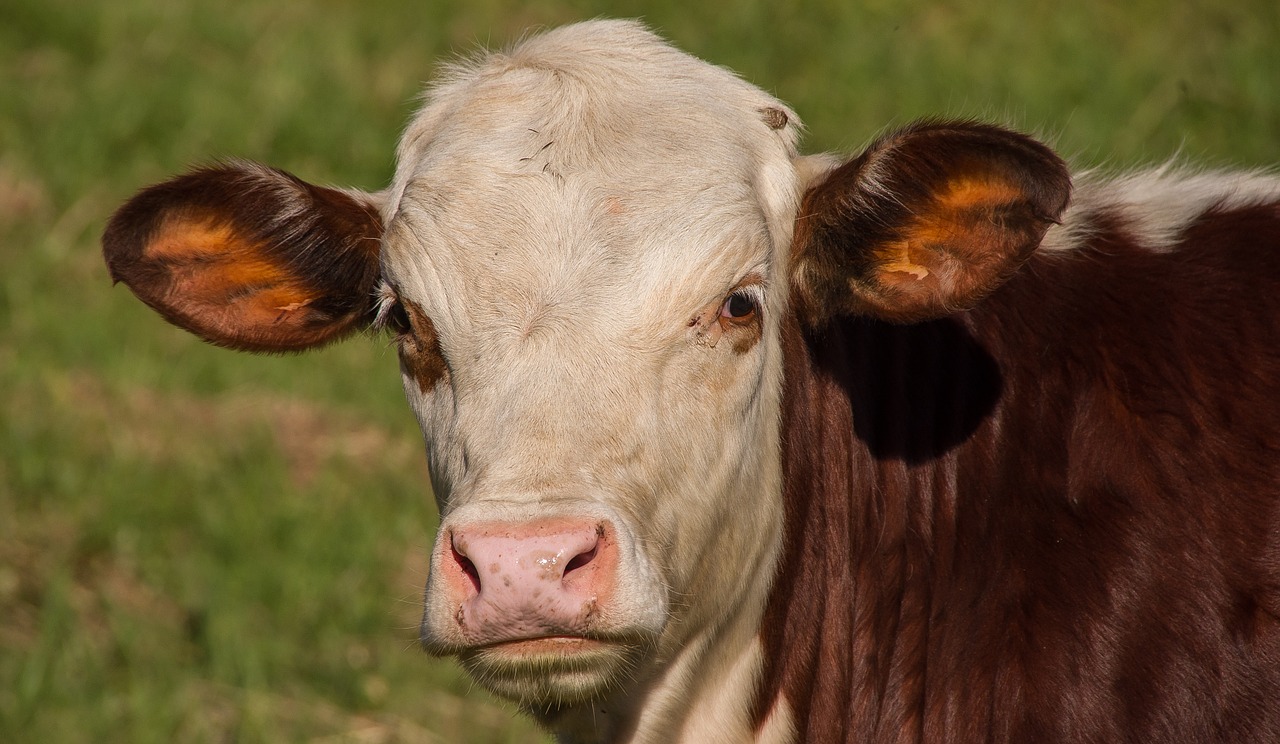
(926, 222)
(249, 257)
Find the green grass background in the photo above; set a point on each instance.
(197, 545)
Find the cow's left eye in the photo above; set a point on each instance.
(739, 307)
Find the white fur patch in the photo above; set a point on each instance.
(1155, 206)
(559, 211)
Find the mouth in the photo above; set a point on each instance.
(552, 670)
(557, 645)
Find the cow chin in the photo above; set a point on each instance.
(556, 671)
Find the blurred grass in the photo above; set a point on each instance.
(197, 545)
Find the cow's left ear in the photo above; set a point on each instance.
(250, 257)
(926, 222)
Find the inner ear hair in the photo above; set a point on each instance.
(926, 222)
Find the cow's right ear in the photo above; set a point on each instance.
(250, 257)
(928, 221)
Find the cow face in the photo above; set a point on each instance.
(582, 258)
(585, 257)
(582, 268)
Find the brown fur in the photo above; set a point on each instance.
(419, 347)
(1054, 517)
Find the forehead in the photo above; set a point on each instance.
(588, 161)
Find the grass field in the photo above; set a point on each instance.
(197, 545)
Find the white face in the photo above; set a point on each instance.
(602, 263)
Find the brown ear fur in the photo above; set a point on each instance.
(249, 257)
(926, 222)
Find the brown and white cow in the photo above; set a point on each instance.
(732, 444)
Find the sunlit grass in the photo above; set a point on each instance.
(197, 545)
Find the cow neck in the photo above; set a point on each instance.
(963, 496)
(872, 415)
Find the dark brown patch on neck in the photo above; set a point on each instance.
(866, 406)
(1049, 518)
(420, 355)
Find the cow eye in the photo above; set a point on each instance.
(739, 307)
(389, 312)
(398, 320)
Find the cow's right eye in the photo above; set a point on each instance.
(390, 313)
(398, 320)
(739, 306)
(742, 307)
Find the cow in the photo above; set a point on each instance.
(940, 442)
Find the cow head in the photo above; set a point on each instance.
(586, 258)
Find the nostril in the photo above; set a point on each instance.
(581, 559)
(468, 568)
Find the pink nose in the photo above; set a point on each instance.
(533, 580)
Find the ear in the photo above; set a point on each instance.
(926, 222)
(249, 257)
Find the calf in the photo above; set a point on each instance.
(732, 444)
